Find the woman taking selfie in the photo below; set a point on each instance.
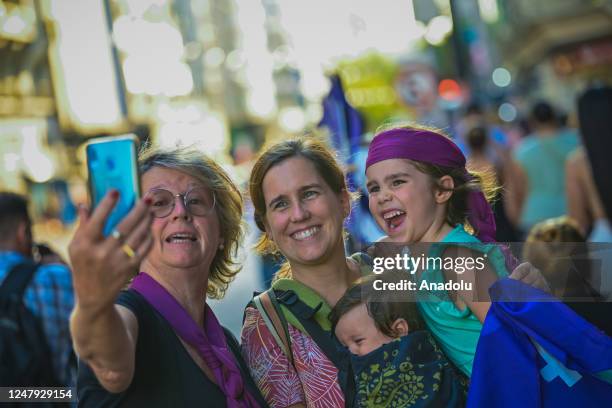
(158, 344)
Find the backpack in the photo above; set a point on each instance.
(25, 359)
(268, 305)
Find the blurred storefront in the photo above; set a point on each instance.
(556, 48)
(228, 75)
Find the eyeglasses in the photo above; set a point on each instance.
(198, 201)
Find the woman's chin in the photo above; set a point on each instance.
(182, 262)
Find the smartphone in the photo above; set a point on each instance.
(112, 163)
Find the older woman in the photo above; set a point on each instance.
(158, 343)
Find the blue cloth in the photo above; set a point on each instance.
(346, 126)
(538, 354)
(50, 297)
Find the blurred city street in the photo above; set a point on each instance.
(228, 76)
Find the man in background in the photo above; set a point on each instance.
(49, 295)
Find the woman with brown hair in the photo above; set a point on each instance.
(301, 200)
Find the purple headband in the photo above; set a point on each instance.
(430, 147)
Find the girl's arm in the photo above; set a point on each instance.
(479, 274)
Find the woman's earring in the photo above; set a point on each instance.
(221, 247)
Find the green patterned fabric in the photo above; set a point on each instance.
(408, 372)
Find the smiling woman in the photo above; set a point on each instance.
(301, 200)
(158, 343)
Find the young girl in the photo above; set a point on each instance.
(421, 192)
(393, 362)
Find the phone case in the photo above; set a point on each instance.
(112, 163)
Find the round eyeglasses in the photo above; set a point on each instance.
(198, 201)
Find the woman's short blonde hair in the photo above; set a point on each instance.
(228, 207)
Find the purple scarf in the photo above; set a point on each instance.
(210, 342)
(430, 147)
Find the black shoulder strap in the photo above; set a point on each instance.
(18, 279)
(305, 314)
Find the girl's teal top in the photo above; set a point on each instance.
(457, 331)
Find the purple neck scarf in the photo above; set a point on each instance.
(209, 342)
(430, 147)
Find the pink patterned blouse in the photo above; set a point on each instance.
(315, 382)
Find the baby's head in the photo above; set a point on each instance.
(365, 319)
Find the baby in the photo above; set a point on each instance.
(364, 321)
(393, 361)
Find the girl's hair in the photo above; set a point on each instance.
(228, 206)
(384, 307)
(311, 148)
(458, 208)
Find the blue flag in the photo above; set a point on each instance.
(538, 354)
(345, 123)
(346, 126)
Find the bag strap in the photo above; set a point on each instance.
(267, 305)
(269, 308)
(325, 340)
(18, 279)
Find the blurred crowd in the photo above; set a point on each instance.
(241, 84)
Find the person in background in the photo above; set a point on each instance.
(594, 115)
(49, 295)
(535, 178)
(596, 105)
(478, 142)
(584, 201)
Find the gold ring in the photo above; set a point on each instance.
(116, 234)
(128, 250)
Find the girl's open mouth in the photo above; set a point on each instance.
(394, 219)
